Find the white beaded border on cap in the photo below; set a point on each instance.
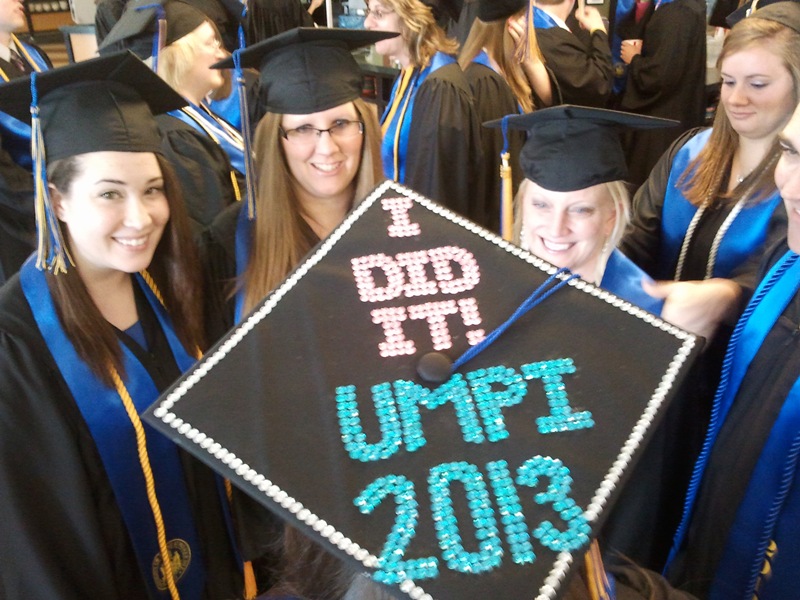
(564, 559)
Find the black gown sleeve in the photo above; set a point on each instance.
(63, 537)
(584, 74)
(218, 254)
(494, 100)
(642, 242)
(202, 167)
(445, 160)
(671, 34)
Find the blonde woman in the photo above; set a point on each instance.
(206, 151)
(431, 136)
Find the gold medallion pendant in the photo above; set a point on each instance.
(180, 555)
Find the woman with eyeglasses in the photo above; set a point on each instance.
(317, 153)
(431, 129)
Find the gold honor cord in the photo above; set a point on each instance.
(250, 588)
(188, 111)
(599, 587)
(23, 52)
(506, 199)
(399, 97)
(144, 461)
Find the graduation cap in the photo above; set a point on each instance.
(322, 403)
(785, 12)
(102, 104)
(444, 9)
(574, 147)
(495, 10)
(138, 26)
(308, 69)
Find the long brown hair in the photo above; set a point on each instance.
(173, 268)
(705, 176)
(500, 47)
(280, 234)
(422, 35)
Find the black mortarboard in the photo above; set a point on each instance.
(785, 12)
(482, 487)
(495, 10)
(308, 69)
(443, 9)
(574, 147)
(102, 104)
(137, 25)
(105, 103)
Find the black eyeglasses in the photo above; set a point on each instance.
(340, 130)
(377, 13)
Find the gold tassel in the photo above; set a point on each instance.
(597, 580)
(506, 198)
(250, 587)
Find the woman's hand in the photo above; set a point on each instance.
(629, 49)
(697, 306)
(590, 19)
(315, 4)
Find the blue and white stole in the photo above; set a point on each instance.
(746, 233)
(229, 109)
(624, 279)
(217, 129)
(16, 134)
(769, 514)
(394, 148)
(114, 436)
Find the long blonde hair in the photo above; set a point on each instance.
(422, 35)
(704, 177)
(281, 237)
(500, 47)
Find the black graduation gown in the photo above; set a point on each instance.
(583, 72)
(202, 167)
(736, 451)
(494, 100)
(444, 160)
(666, 80)
(644, 520)
(17, 217)
(63, 536)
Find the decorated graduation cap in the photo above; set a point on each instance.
(495, 10)
(574, 147)
(308, 69)
(362, 403)
(785, 12)
(146, 26)
(102, 104)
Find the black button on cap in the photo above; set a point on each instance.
(435, 367)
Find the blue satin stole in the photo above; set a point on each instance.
(770, 509)
(113, 434)
(624, 279)
(387, 148)
(746, 234)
